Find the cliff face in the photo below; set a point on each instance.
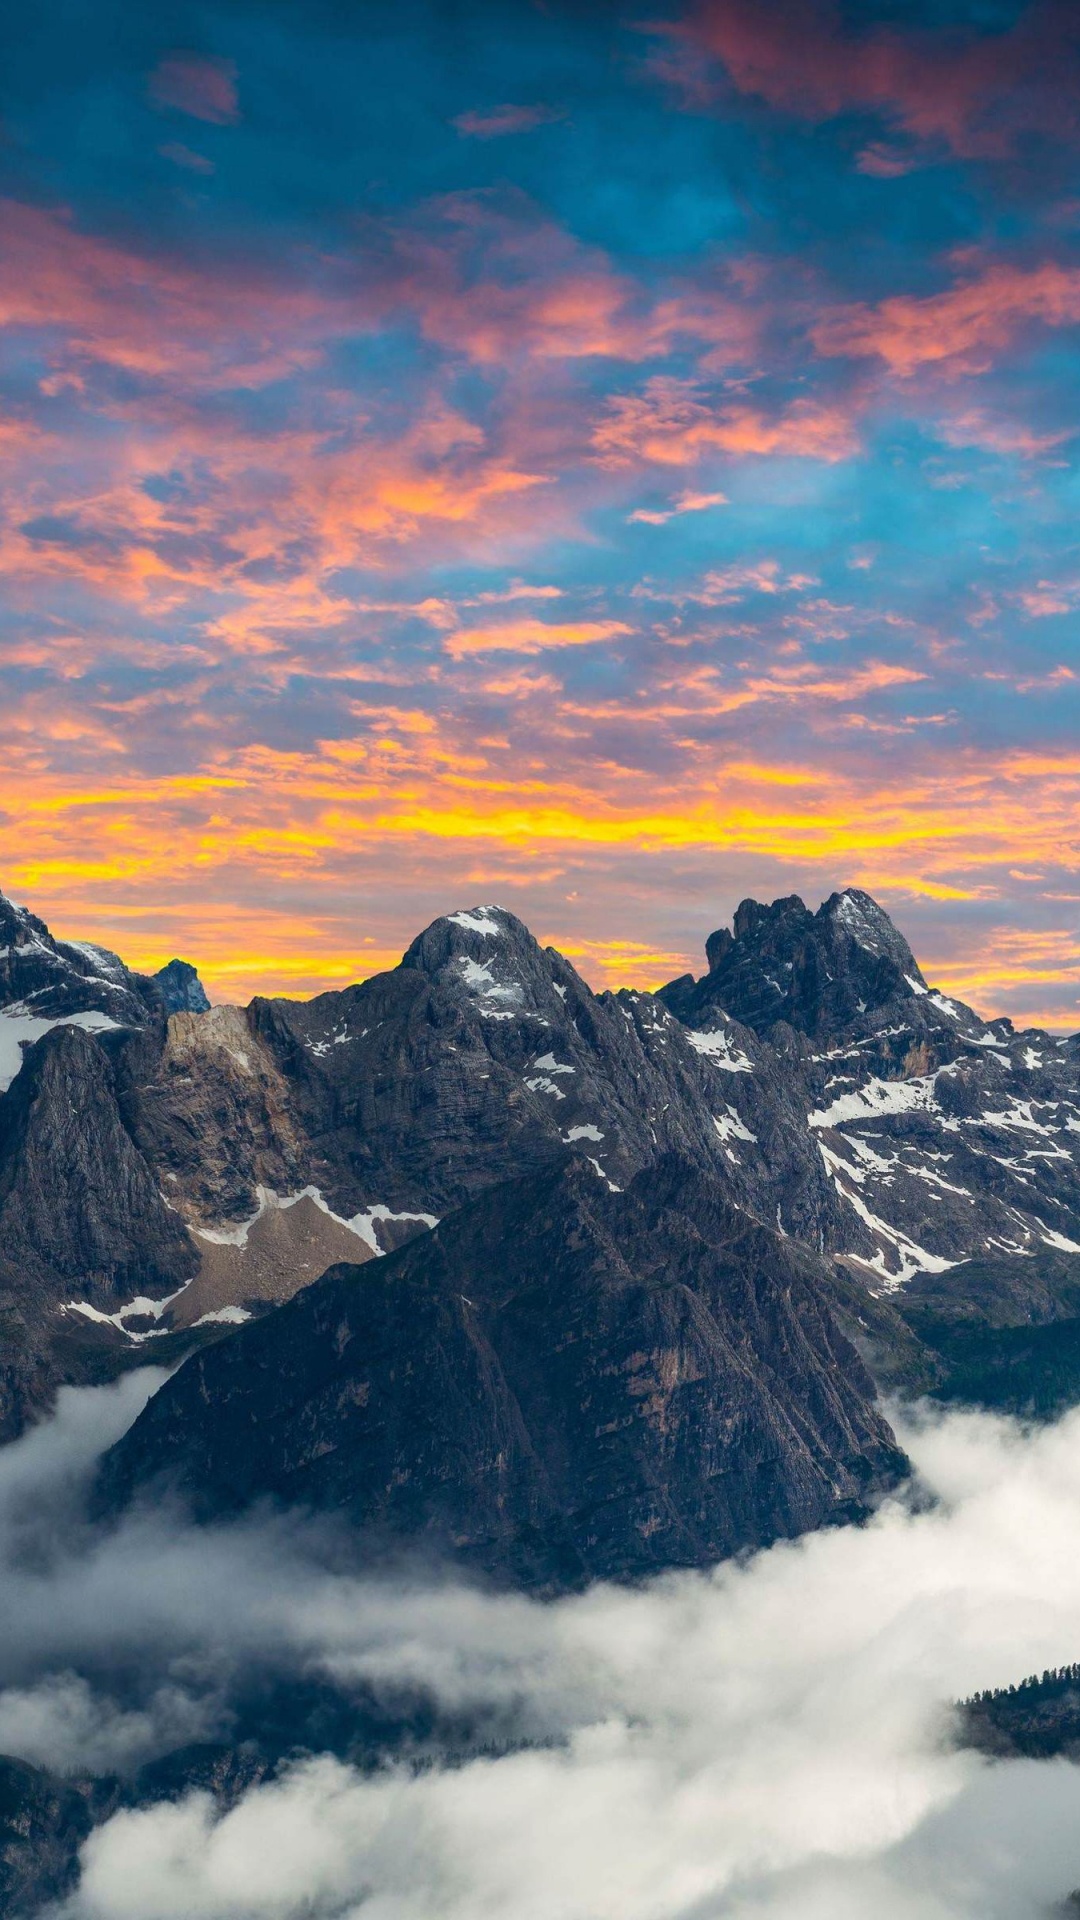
(81, 1220)
(560, 1383)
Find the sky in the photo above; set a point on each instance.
(606, 459)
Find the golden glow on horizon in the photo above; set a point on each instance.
(92, 859)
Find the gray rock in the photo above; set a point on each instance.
(181, 988)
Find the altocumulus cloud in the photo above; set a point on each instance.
(764, 1742)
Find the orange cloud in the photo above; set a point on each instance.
(966, 325)
(273, 836)
(670, 425)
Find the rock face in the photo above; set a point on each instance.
(43, 1822)
(83, 1228)
(181, 988)
(560, 1383)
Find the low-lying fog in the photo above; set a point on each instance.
(765, 1741)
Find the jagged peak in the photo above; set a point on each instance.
(868, 924)
(181, 988)
(863, 917)
(813, 970)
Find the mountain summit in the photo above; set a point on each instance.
(818, 972)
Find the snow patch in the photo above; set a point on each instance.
(1020, 1118)
(599, 1171)
(720, 1051)
(877, 1098)
(138, 1309)
(730, 1126)
(541, 1084)
(19, 1029)
(481, 920)
(582, 1133)
(480, 980)
(1052, 1238)
(913, 1258)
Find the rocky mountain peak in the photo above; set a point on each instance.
(181, 988)
(476, 932)
(819, 973)
(857, 916)
(487, 960)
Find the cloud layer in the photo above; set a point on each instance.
(768, 1740)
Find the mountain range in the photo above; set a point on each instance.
(170, 1171)
(536, 1284)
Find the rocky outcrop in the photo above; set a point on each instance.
(43, 1823)
(215, 1117)
(560, 1383)
(181, 988)
(44, 982)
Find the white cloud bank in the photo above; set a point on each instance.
(765, 1742)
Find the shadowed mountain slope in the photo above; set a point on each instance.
(558, 1384)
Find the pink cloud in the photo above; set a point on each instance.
(532, 636)
(182, 156)
(669, 424)
(975, 428)
(970, 93)
(1050, 597)
(884, 163)
(498, 121)
(966, 325)
(197, 84)
(500, 283)
(684, 503)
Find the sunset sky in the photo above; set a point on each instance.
(606, 459)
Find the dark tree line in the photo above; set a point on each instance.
(1054, 1680)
